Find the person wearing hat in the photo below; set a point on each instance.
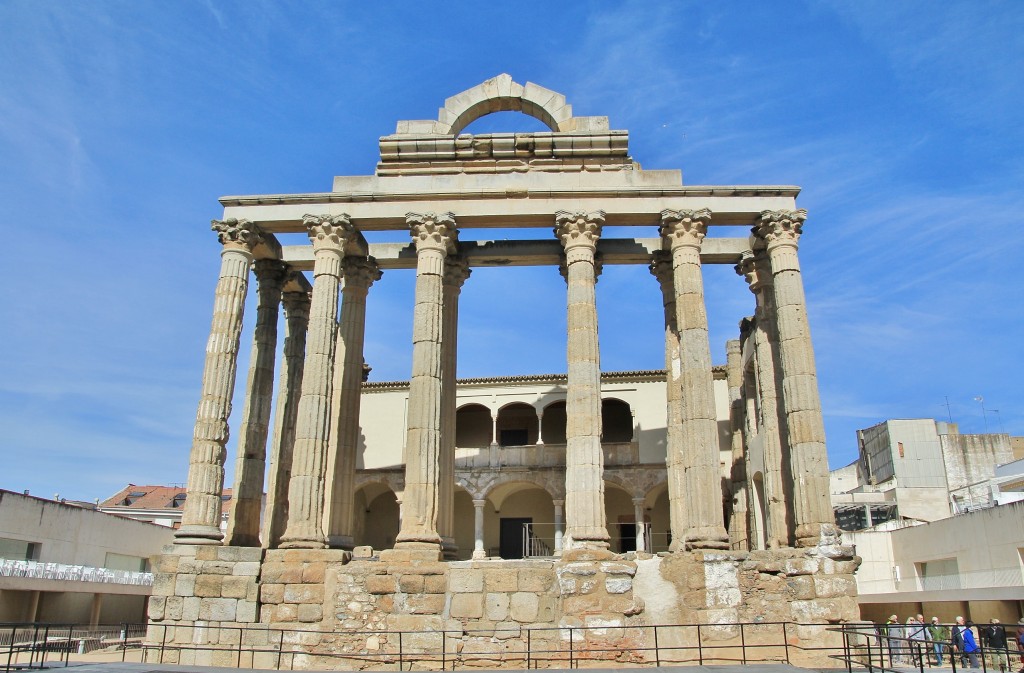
(996, 654)
(939, 635)
(894, 636)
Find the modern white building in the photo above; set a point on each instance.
(63, 563)
(936, 517)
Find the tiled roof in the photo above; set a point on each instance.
(134, 496)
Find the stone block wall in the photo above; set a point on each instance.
(326, 609)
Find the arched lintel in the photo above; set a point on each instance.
(500, 94)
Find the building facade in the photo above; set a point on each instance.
(63, 563)
(582, 456)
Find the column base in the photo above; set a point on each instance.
(449, 549)
(197, 534)
(341, 542)
(302, 543)
(405, 552)
(479, 554)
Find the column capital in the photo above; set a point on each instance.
(296, 304)
(639, 502)
(684, 228)
(456, 271)
(237, 234)
(661, 268)
(755, 270)
(558, 503)
(578, 228)
(433, 231)
(780, 227)
(329, 232)
(479, 503)
(361, 272)
(270, 272)
(746, 327)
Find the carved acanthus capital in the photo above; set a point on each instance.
(579, 228)
(235, 233)
(361, 272)
(781, 227)
(661, 268)
(456, 271)
(271, 273)
(684, 227)
(329, 232)
(296, 304)
(433, 231)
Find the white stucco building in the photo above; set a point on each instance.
(62, 563)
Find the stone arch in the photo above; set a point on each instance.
(616, 421)
(553, 424)
(472, 426)
(517, 424)
(376, 513)
(500, 94)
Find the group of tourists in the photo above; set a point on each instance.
(915, 643)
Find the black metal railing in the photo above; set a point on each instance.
(34, 645)
(533, 648)
(875, 648)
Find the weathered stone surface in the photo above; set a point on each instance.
(465, 580)
(218, 609)
(208, 586)
(304, 593)
(524, 606)
(496, 606)
(498, 579)
(467, 606)
(381, 584)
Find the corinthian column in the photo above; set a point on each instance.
(661, 268)
(360, 274)
(251, 461)
(200, 521)
(757, 274)
(296, 311)
(329, 235)
(434, 236)
(739, 534)
(584, 460)
(456, 271)
(812, 509)
(683, 232)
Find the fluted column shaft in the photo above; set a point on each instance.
(251, 461)
(359, 274)
(200, 522)
(772, 414)
(434, 236)
(684, 232)
(641, 526)
(329, 235)
(813, 518)
(289, 388)
(584, 460)
(456, 271)
(739, 534)
(661, 268)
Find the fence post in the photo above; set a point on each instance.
(401, 660)
(529, 650)
(241, 632)
(700, 647)
(280, 648)
(785, 641)
(743, 645)
(657, 652)
(570, 649)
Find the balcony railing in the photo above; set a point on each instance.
(72, 573)
(539, 455)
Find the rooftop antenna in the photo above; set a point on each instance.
(981, 400)
(999, 418)
(948, 412)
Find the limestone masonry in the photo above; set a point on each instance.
(484, 517)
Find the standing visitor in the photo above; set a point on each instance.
(893, 633)
(916, 636)
(996, 653)
(970, 646)
(939, 635)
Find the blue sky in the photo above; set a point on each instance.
(122, 122)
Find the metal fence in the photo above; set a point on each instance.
(24, 645)
(870, 646)
(535, 648)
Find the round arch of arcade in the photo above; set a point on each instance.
(519, 423)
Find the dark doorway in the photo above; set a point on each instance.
(510, 541)
(627, 537)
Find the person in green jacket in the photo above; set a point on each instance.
(939, 635)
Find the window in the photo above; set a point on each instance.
(19, 550)
(124, 562)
